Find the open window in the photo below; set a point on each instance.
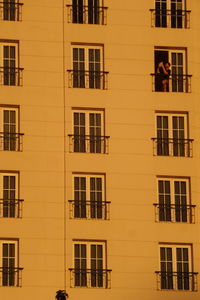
(170, 67)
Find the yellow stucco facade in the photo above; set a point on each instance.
(99, 176)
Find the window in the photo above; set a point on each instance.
(170, 13)
(11, 74)
(10, 204)
(90, 265)
(10, 138)
(176, 268)
(11, 10)
(172, 135)
(174, 203)
(87, 70)
(89, 197)
(87, 12)
(9, 269)
(89, 136)
(171, 71)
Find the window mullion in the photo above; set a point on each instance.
(87, 130)
(1, 186)
(88, 264)
(170, 126)
(174, 266)
(186, 129)
(88, 213)
(1, 120)
(87, 58)
(168, 13)
(1, 253)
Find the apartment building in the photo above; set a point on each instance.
(99, 140)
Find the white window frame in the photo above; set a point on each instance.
(16, 243)
(86, 54)
(168, 2)
(10, 109)
(88, 258)
(15, 73)
(185, 86)
(176, 51)
(87, 120)
(170, 116)
(85, 13)
(16, 6)
(174, 261)
(170, 122)
(86, 73)
(168, 8)
(88, 199)
(2, 175)
(172, 194)
(14, 44)
(101, 145)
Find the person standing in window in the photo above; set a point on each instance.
(163, 72)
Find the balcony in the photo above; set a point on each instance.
(89, 209)
(10, 11)
(11, 141)
(88, 144)
(88, 79)
(170, 18)
(177, 83)
(11, 276)
(174, 213)
(92, 278)
(11, 208)
(185, 281)
(172, 147)
(87, 15)
(11, 76)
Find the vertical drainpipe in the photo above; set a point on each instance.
(64, 148)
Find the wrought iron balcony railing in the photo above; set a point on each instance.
(11, 208)
(186, 281)
(11, 11)
(174, 213)
(170, 18)
(80, 209)
(178, 83)
(172, 147)
(88, 143)
(95, 278)
(11, 276)
(11, 76)
(87, 15)
(11, 141)
(88, 79)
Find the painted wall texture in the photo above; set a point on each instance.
(99, 167)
